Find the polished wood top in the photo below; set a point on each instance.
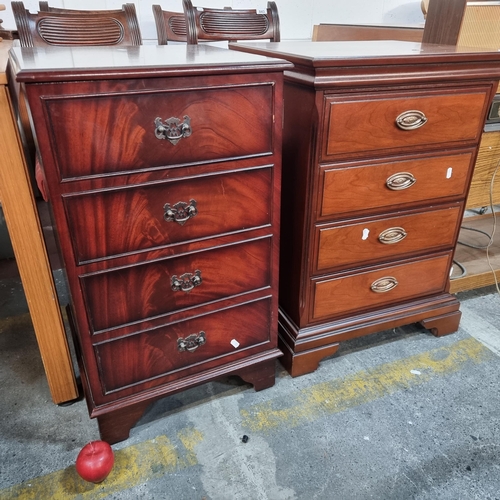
(5, 46)
(343, 63)
(377, 52)
(74, 63)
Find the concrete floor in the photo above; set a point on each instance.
(398, 415)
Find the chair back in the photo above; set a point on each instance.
(231, 24)
(76, 27)
(170, 26)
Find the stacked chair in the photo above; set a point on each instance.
(213, 25)
(52, 26)
(70, 27)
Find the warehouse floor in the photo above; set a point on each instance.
(398, 415)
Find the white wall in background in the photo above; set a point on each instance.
(297, 17)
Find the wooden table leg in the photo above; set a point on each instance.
(25, 232)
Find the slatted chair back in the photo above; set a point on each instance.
(76, 27)
(170, 26)
(231, 24)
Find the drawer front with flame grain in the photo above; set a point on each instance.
(143, 130)
(143, 217)
(158, 355)
(121, 296)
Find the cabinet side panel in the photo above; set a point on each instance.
(299, 146)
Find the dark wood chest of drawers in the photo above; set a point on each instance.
(379, 146)
(164, 169)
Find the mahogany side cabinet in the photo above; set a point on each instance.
(163, 166)
(379, 146)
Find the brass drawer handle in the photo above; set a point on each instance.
(191, 342)
(172, 129)
(392, 235)
(400, 181)
(181, 212)
(186, 282)
(385, 284)
(411, 120)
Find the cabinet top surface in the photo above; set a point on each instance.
(71, 63)
(377, 52)
(344, 63)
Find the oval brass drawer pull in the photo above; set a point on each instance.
(191, 342)
(392, 235)
(180, 212)
(385, 284)
(400, 181)
(172, 129)
(411, 120)
(186, 282)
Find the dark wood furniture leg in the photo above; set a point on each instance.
(261, 375)
(304, 362)
(115, 426)
(305, 349)
(442, 325)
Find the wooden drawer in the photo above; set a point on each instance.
(130, 294)
(367, 124)
(349, 188)
(360, 243)
(98, 134)
(212, 339)
(343, 295)
(143, 217)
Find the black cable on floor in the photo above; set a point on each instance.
(462, 268)
(477, 231)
